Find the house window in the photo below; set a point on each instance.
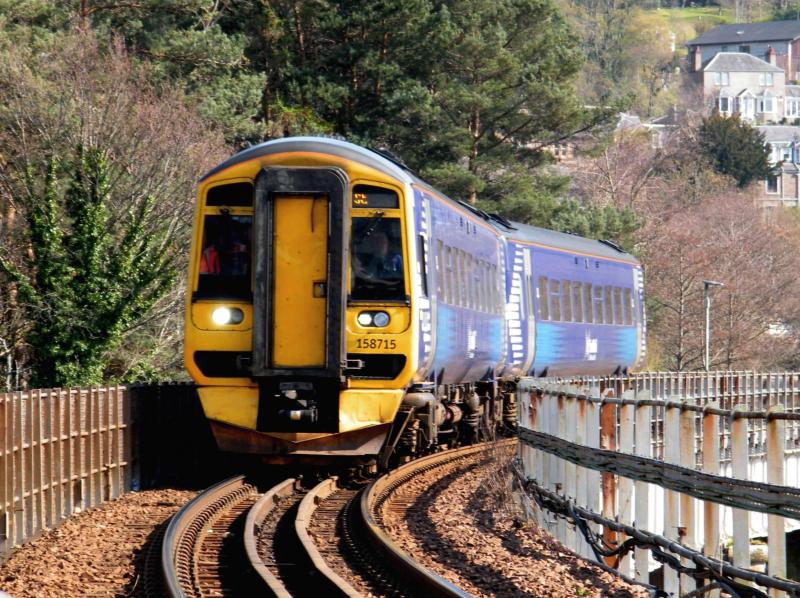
(724, 104)
(772, 184)
(724, 49)
(786, 152)
(765, 103)
(745, 49)
(793, 107)
(769, 78)
(765, 79)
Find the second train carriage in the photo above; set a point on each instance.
(339, 306)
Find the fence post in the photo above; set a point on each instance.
(672, 454)
(776, 527)
(581, 473)
(688, 529)
(593, 441)
(626, 414)
(570, 419)
(608, 441)
(739, 465)
(642, 489)
(711, 465)
(560, 472)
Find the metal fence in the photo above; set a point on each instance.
(641, 450)
(63, 451)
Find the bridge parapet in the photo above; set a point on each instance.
(694, 461)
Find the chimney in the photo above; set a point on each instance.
(697, 59)
(772, 56)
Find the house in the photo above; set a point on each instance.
(735, 82)
(783, 187)
(757, 39)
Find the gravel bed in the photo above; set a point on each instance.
(95, 553)
(462, 524)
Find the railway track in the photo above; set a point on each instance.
(297, 540)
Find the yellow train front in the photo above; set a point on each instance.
(299, 307)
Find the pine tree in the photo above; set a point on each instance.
(734, 148)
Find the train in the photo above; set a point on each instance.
(341, 309)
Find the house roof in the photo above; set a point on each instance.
(739, 62)
(779, 133)
(749, 32)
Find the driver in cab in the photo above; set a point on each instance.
(377, 262)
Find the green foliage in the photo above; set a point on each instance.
(88, 276)
(734, 148)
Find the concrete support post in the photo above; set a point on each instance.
(688, 528)
(642, 489)
(711, 433)
(672, 454)
(608, 441)
(741, 518)
(569, 467)
(626, 415)
(776, 526)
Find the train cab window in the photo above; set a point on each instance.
(627, 305)
(577, 302)
(378, 272)
(618, 315)
(587, 303)
(555, 300)
(234, 194)
(544, 311)
(225, 257)
(566, 300)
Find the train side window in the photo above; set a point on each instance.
(225, 257)
(497, 292)
(609, 311)
(587, 302)
(544, 311)
(423, 265)
(577, 301)
(440, 269)
(627, 304)
(619, 318)
(452, 291)
(597, 304)
(555, 300)
(566, 299)
(473, 290)
(481, 269)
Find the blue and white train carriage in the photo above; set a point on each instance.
(339, 306)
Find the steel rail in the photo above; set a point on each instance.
(255, 518)
(182, 524)
(426, 582)
(305, 513)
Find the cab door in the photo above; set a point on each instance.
(299, 296)
(299, 291)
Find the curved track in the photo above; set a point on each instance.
(294, 541)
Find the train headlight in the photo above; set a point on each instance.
(223, 316)
(375, 319)
(380, 319)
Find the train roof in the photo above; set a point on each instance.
(383, 163)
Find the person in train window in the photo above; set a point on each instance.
(380, 262)
(209, 260)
